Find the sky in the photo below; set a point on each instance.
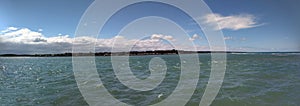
(48, 26)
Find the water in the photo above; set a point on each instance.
(250, 80)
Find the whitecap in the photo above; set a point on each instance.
(160, 95)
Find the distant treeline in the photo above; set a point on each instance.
(131, 53)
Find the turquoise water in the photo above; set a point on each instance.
(250, 80)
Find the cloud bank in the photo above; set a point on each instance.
(233, 22)
(25, 41)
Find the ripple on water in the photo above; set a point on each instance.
(250, 80)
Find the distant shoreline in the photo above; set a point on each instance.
(131, 53)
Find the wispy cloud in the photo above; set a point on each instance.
(40, 30)
(194, 37)
(233, 22)
(228, 38)
(9, 29)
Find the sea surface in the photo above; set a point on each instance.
(250, 80)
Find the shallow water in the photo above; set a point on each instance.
(250, 80)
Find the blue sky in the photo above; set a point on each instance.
(280, 29)
(53, 16)
(262, 25)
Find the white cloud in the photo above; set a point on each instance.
(168, 37)
(119, 37)
(233, 22)
(160, 36)
(157, 36)
(194, 37)
(60, 39)
(22, 36)
(25, 40)
(9, 29)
